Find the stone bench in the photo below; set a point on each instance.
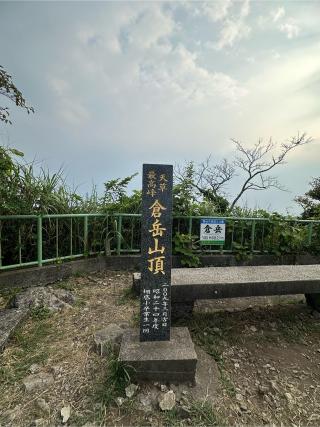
(191, 284)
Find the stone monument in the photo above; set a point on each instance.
(157, 352)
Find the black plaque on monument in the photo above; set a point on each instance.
(156, 242)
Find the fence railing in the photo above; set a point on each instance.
(34, 240)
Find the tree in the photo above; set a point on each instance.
(250, 165)
(10, 91)
(310, 201)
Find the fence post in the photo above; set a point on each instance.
(190, 226)
(119, 229)
(253, 228)
(85, 236)
(309, 233)
(0, 243)
(39, 240)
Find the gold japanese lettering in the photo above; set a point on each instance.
(156, 248)
(163, 182)
(156, 265)
(157, 230)
(156, 209)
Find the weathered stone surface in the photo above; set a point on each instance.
(63, 294)
(131, 390)
(167, 401)
(9, 321)
(173, 360)
(37, 381)
(145, 402)
(51, 298)
(108, 339)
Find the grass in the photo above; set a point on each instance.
(68, 286)
(127, 295)
(200, 414)
(117, 377)
(40, 313)
(30, 346)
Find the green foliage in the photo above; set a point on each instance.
(285, 237)
(11, 92)
(310, 201)
(40, 313)
(184, 245)
(201, 413)
(242, 252)
(117, 378)
(127, 295)
(30, 346)
(116, 199)
(26, 189)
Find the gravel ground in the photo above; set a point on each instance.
(259, 363)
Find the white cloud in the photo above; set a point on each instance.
(216, 10)
(277, 14)
(150, 27)
(148, 66)
(178, 77)
(58, 86)
(231, 32)
(245, 9)
(67, 105)
(290, 28)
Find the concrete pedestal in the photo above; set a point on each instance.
(166, 361)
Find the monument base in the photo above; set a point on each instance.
(172, 361)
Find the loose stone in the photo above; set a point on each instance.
(65, 413)
(37, 381)
(131, 390)
(167, 401)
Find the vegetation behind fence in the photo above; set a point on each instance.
(27, 240)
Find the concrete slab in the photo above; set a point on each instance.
(173, 360)
(9, 321)
(190, 284)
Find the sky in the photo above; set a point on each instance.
(118, 84)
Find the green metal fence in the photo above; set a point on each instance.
(34, 240)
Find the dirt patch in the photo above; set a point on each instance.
(259, 363)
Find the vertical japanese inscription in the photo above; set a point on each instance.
(156, 236)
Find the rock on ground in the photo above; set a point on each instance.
(37, 381)
(108, 339)
(9, 321)
(167, 401)
(130, 390)
(51, 298)
(65, 413)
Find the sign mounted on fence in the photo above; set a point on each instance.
(212, 231)
(156, 237)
